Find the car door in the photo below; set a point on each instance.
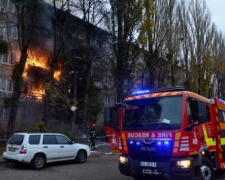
(51, 147)
(67, 149)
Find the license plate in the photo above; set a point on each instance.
(148, 164)
(147, 171)
(12, 149)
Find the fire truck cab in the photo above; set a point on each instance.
(169, 133)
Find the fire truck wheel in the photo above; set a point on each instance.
(207, 171)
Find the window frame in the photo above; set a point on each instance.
(49, 141)
(34, 135)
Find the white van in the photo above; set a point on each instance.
(37, 149)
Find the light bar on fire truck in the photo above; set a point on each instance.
(175, 88)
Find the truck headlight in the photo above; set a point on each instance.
(184, 163)
(123, 160)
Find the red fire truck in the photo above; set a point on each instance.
(169, 133)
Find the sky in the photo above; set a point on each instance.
(217, 9)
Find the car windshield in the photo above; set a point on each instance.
(160, 113)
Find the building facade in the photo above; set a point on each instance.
(8, 33)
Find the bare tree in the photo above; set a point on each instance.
(160, 29)
(216, 70)
(26, 20)
(200, 20)
(93, 14)
(73, 18)
(184, 18)
(125, 19)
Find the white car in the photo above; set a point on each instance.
(37, 149)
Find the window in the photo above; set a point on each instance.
(4, 58)
(156, 113)
(198, 111)
(192, 110)
(3, 5)
(62, 140)
(111, 117)
(5, 85)
(107, 80)
(16, 139)
(7, 5)
(49, 139)
(221, 116)
(12, 31)
(4, 113)
(3, 30)
(105, 98)
(34, 139)
(8, 30)
(11, 7)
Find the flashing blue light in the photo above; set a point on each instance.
(141, 92)
(131, 142)
(138, 143)
(159, 143)
(222, 101)
(175, 88)
(166, 142)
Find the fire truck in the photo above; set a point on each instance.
(168, 133)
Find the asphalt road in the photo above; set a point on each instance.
(98, 167)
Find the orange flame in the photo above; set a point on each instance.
(34, 61)
(57, 73)
(37, 90)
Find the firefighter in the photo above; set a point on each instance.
(92, 134)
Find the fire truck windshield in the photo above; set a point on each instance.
(159, 113)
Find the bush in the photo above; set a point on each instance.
(71, 136)
(40, 127)
(2, 149)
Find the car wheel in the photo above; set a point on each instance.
(206, 168)
(81, 156)
(38, 161)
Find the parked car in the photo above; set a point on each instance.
(37, 149)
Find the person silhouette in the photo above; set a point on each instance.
(92, 134)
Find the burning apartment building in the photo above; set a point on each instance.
(78, 61)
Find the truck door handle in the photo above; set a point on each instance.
(62, 146)
(45, 147)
